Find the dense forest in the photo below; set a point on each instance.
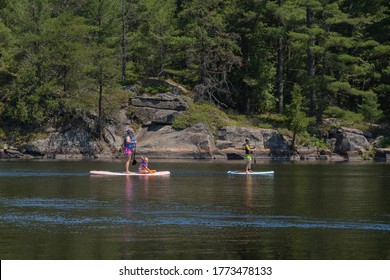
(301, 59)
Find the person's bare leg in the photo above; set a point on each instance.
(127, 164)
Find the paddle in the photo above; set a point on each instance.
(134, 160)
(254, 160)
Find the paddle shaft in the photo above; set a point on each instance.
(134, 160)
(254, 159)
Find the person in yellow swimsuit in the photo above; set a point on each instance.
(248, 155)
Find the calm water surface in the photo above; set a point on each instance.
(55, 210)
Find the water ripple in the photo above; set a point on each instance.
(56, 203)
(187, 219)
(40, 174)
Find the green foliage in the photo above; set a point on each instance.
(296, 116)
(60, 59)
(26, 137)
(7, 49)
(305, 139)
(271, 120)
(157, 89)
(370, 108)
(347, 118)
(211, 53)
(2, 134)
(205, 113)
(385, 142)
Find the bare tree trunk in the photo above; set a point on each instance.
(279, 71)
(293, 140)
(310, 64)
(100, 109)
(123, 43)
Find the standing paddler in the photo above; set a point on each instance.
(128, 147)
(248, 155)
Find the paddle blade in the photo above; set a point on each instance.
(134, 162)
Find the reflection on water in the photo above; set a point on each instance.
(303, 212)
(249, 191)
(60, 213)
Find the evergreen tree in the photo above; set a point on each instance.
(7, 63)
(64, 42)
(370, 108)
(297, 118)
(337, 62)
(103, 18)
(157, 35)
(28, 99)
(253, 80)
(63, 58)
(124, 41)
(211, 53)
(135, 48)
(379, 30)
(348, 48)
(280, 48)
(7, 53)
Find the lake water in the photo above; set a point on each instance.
(319, 210)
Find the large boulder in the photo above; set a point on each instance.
(70, 142)
(144, 115)
(236, 136)
(77, 139)
(383, 154)
(348, 140)
(167, 101)
(11, 152)
(165, 117)
(162, 108)
(163, 141)
(268, 142)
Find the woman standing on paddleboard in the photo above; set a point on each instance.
(128, 147)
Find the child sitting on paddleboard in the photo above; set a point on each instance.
(143, 167)
(248, 155)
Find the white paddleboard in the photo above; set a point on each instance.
(251, 173)
(109, 173)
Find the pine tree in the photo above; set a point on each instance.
(64, 42)
(297, 118)
(254, 79)
(103, 18)
(158, 35)
(124, 41)
(211, 53)
(28, 98)
(279, 68)
(370, 108)
(7, 53)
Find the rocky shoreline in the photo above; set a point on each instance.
(165, 142)
(158, 139)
